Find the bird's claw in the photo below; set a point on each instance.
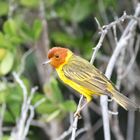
(77, 114)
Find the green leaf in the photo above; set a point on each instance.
(10, 94)
(46, 107)
(69, 106)
(3, 8)
(81, 10)
(64, 39)
(50, 3)
(7, 63)
(13, 98)
(6, 137)
(10, 27)
(2, 97)
(2, 53)
(76, 10)
(30, 3)
(83, 42)
(13, 112)
(26, 32)
(110, 3)
(57, 95)
(14, 94)
(4, 41)
(15, 40)
(37, 28)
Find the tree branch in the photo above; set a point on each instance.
(74, 125)
(22, 127)
(127, 34)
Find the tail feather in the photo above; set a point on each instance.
(125, 102)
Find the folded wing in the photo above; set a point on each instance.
(83, 73)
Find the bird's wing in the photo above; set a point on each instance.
(83, 73)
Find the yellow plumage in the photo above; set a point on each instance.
(87, 80)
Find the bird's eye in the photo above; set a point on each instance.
(56, 56)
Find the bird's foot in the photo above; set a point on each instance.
(77, 114)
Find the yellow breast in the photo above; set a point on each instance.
(82, 90)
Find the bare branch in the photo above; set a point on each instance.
(74, 125)
(121, 44)
(65, 134)
(23, 60)
(82, 130)
(104, 31)
(23, 87)
(32, 110)
(22, 127)
(131, 123)
(114, 121)
(132, 58)
(26, 129)
(115, 34)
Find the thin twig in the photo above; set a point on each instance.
(131, 114)
(21, 123)
(69, 131)
(131, 123)
(115, 34)
(23, 60)
(65, 134)
(80, 131)
(30, 118)
(32, 110)
(132, 58)
(104, 30)
(98, 46)
(24, 120)
(115, 122)
(23, 87)
(74, 125)
(106, 21)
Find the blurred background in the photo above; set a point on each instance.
(28, 29)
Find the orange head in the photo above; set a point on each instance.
(57, 56)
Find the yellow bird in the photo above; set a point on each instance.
(82, 76)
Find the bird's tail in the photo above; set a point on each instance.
(125, 102)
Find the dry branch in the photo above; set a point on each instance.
(22, 127)
(126, 36)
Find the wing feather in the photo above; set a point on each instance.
(85, 74)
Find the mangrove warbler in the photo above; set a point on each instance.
(84, 77)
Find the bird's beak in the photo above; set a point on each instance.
(46, 62)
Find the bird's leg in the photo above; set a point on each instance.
(77, 113)
(109, 111)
